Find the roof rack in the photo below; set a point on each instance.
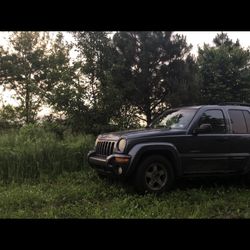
(235, 103)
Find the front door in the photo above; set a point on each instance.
(209, 150)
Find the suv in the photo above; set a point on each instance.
(187, 141)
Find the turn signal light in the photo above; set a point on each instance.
(121, 160)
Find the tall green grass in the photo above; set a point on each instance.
(32, 153)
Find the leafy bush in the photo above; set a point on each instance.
(32, 153)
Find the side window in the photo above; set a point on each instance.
(216, 119)
(238, 121)
(247, 118)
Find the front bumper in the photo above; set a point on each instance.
(115, 164)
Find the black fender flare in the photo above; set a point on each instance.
(139, 149)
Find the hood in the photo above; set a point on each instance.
(147, 132)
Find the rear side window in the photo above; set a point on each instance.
(247, 118)
(238, 121)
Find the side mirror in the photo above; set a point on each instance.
(203, 128)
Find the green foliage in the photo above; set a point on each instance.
(185, 86)
(77, 95)
(61, 76)
(32, 153)
(117, 81)
(114, 83)
(224, 71)
(134, 74)
(92, 103)
(35, 66)
(9, 117)
(57, 127)
(22, 69)
(153, 70)
(126, 118)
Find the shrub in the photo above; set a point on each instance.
(33, 152)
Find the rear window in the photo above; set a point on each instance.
(238, 121)
(247, 118)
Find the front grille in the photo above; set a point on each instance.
(105, 148)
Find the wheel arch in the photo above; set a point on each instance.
(167, 150)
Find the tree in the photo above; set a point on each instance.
(22, 69)
(60, 72)
(61, 80)
(9, 117)
(224, 71)
(93, 48)
(66, 90)
(105, 108)
(150, 70)
(185, 88)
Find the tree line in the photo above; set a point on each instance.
(119, 80)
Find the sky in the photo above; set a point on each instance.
(196, 38)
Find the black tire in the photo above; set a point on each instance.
(154, 175)
(246, 179)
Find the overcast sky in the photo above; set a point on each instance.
(194, 37)
(198, 38)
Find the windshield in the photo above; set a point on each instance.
(179, 119)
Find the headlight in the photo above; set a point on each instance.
(121, 144)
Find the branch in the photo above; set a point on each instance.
(164, 95)
(141, 118)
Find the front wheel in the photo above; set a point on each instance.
(154, 175)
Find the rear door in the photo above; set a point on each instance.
(239, 138)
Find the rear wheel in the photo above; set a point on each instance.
(246, 179)
(154, 175)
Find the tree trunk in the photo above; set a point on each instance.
(93, 90)
(148, 116)
(27, 104)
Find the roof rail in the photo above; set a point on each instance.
(235, 103)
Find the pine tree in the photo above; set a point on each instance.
(224, 71)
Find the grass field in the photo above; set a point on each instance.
(83, 195)
(42, 176)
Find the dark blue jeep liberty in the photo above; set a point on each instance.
(187, 141)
